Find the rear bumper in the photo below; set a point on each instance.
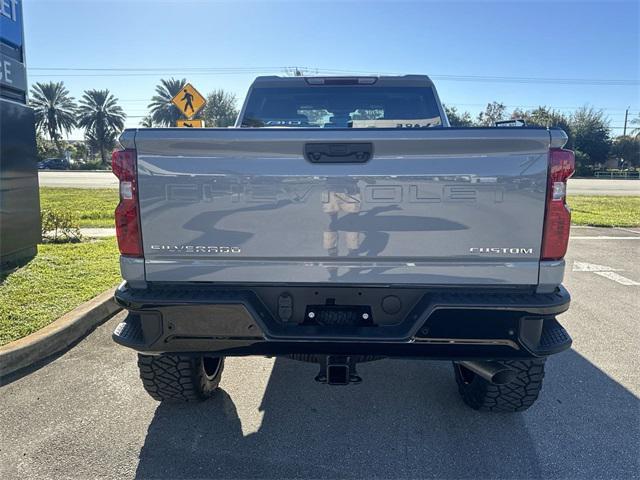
(440, 324)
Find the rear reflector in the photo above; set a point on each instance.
(123, 164)
(557, 219)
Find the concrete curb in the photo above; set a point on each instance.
(57, 336)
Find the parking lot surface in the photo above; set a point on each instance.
(85, 415)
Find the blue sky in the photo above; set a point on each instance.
(591, 42)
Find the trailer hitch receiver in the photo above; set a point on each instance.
(338, 370)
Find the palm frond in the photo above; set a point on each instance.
(54, 108)
(161, 110)
(102, 118)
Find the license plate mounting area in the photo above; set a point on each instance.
(338, 315)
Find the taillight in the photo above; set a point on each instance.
(123, 164)
(557, 219)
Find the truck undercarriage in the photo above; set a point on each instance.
(340, 326)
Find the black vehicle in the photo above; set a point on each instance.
(54, 164)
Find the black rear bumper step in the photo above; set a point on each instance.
(443, 324)
(129, 332)
(161, 295)
(554, 338)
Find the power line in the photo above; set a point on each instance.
(508, 79)
(164, 69)
(208, 71)
(193, 74)
(618, 109)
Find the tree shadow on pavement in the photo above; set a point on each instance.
(404, 421)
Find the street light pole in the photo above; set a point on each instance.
(626, 115)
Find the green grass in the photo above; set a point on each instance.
(61, 277)
(605, 211)
(92, 207)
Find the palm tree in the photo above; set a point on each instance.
(163, 112)
(102, 118)
(146, 122)
(636, 131)
(96, 143)
(54, 110)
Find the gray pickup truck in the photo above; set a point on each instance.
(341, 221)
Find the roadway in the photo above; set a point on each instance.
(602, 186)
(85, 414)
(77, 179)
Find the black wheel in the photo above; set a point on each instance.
(516, 396)
(180, 377)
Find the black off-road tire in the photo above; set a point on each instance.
(180, 378)
(516, 396)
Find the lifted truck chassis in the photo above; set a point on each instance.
(324, 234)
(442, 324)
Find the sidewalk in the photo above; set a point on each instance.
(98, 232)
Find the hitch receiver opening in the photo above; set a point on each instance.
(337, 370)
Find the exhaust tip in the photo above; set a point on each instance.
(493, 372)
(502, 377)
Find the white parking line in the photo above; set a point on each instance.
(617, 278)
(604, 237)
(604, 271)
(592, 267)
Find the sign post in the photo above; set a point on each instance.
(19, 197)
(189, 101)
(190, 123)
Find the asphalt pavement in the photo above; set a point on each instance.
(77, 179)
(602, 186)
(88, 179)
(85, 414)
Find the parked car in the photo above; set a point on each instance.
(54, 164)
(337, 224)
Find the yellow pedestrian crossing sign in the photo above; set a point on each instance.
(189, 101)
(190, 123)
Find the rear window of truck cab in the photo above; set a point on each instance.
(342, 107)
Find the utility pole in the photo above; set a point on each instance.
(626, 115)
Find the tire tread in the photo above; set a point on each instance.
(176, 378)
(516, 396)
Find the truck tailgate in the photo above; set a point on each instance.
(431, 207)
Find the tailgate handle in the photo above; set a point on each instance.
(338, 152)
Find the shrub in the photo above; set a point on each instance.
(59, 226)
(91, 164)
(583, 169)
